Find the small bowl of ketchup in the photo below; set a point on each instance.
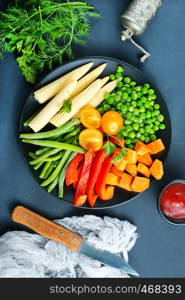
(171, 202)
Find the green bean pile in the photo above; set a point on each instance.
(137, 105)
(57, 148)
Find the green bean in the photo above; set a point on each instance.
(43, 156)
(53, 184)
(50, 169)
(54, 144)
(52, 133)
(57, 170)
(73, 140)
(45, 149)
(62, 176)
(32, 155)
(25, 124)
(45, 169)
(71, 134)
(38, 165)
(41, 151)
(54, 158)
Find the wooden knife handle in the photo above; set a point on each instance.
(46, 228)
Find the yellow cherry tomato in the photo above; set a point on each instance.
(91, 139)
(111, 122)
(90, 117)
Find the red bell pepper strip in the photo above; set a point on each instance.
(80, 195)
(72, 170)
(104, 191)
(79, 172)
(95, 171)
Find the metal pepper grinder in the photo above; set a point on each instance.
(135, 20)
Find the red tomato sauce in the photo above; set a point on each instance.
(172, 202)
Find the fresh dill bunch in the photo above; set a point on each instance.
(42, 32)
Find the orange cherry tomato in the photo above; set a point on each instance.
(111, 122)
(90, 117)
(91, 139)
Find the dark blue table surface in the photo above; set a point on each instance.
(160, 248)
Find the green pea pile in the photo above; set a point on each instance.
(136, 104)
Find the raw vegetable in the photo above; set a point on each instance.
(111, 122)
(25, 124)
(121, 165)
(54, 158)
(88, 79)
(77, 103)
(90, 117)
(116, 171)
(131, 169)
(58, 169)
(52, 89)
(103, 81)
(91, 139)
(72, 169)
(71, 134)
(45, 169)
(81, 191)
(43, 156)
(140, 184)
(52, 133)
(50, 169)
(156, 170)
(116, 141)
(144, 170)
(41, 151)
(108, 88)
(38, 165)
(141, 148)
(54, 144)
(109, 148)
(112, 179)
(131, 156)
(43, 118)
(93, 177)
(136, 104)
(126, 181)
(145, 159)
(119, 158)
(62, 176)
(42, 32)
(104, 191)
(156, 146)
(79, 172)
(53, 184)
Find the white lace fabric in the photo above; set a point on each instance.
(23, 254)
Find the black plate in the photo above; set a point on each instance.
(31, 106)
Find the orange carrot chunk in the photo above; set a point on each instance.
(144, 170)
(140, 184)
(156, 146)
(141, 148)
(131, 156)
(131, 169)
(121, 165)
(138, 145)
(125, 182)
(112, 179)
(116, 171)
(145, 159)
(156, 169)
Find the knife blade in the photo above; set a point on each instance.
(106, 258)
(72, 240)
